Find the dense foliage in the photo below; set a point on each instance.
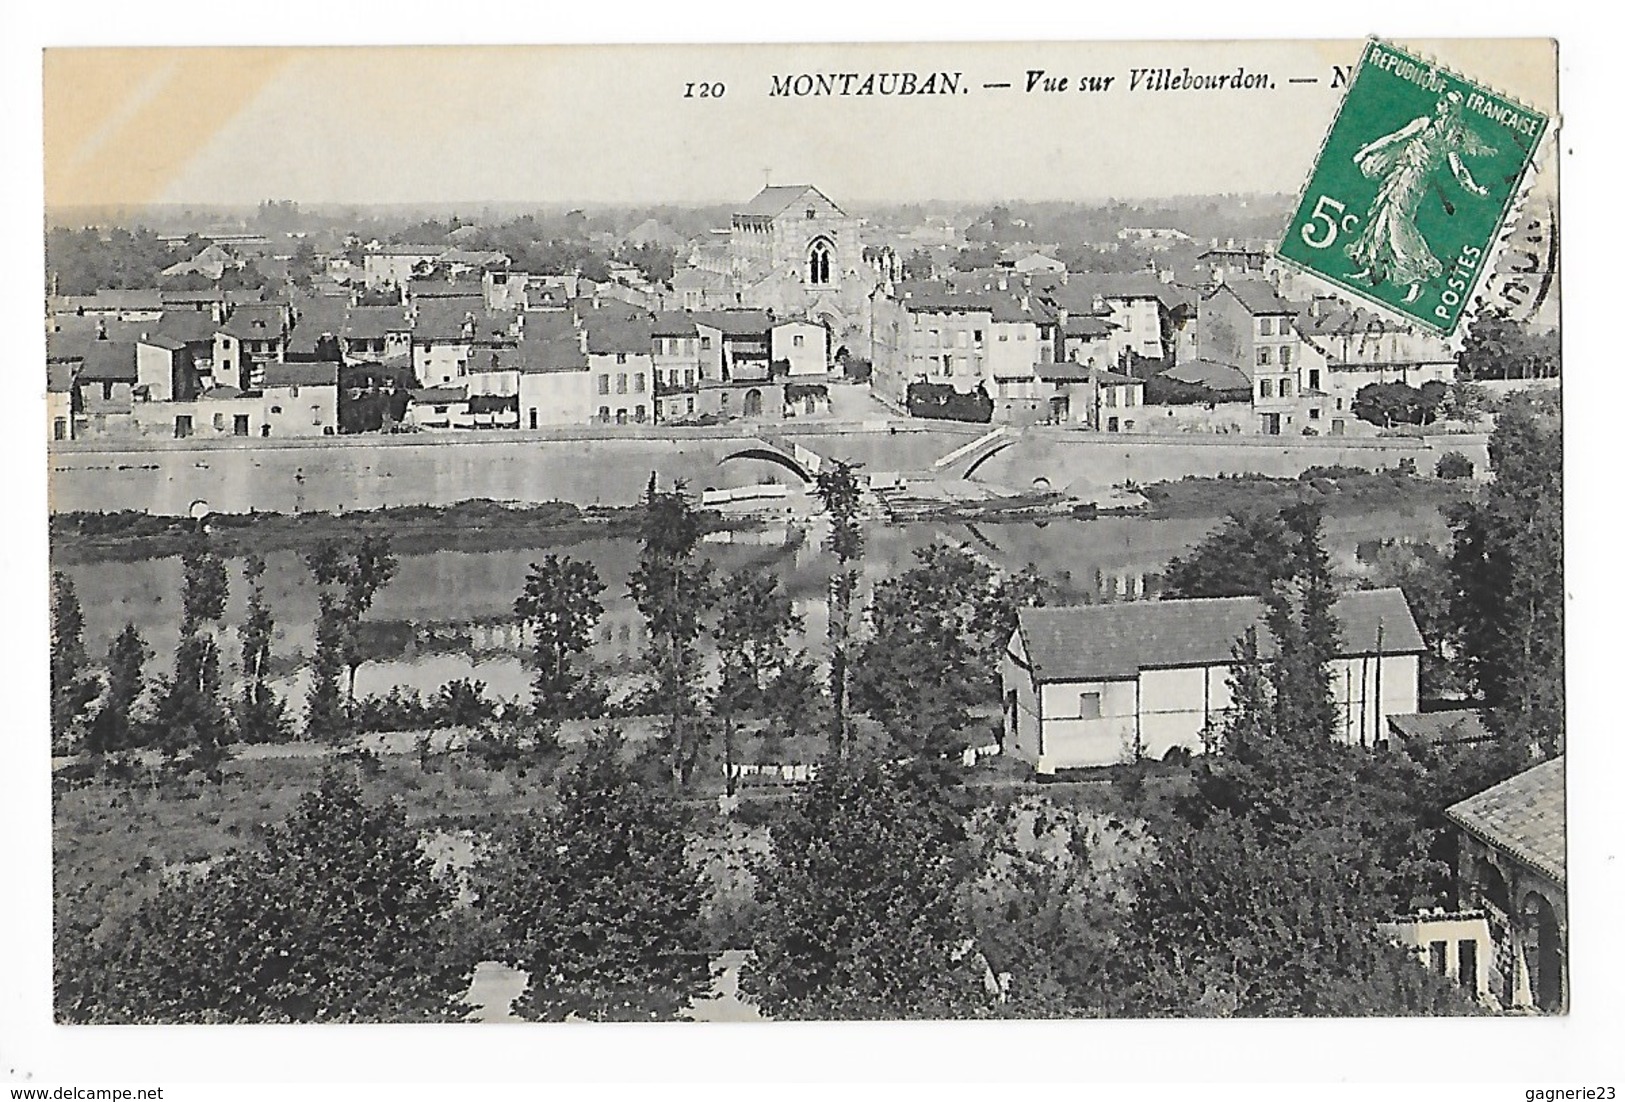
(941, 402)
(336, 916)
(597, 901)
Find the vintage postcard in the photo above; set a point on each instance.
(732, 533)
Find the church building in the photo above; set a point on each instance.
(793, 251)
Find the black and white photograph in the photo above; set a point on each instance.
(804, 533)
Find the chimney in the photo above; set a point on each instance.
(583, 337)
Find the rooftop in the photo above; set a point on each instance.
(771, 201)
(301, 374)
(1116, 641)
(1210, 374)
(1258, 297)
(1452, 728)
(1523, 816)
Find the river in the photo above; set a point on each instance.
(449, 614)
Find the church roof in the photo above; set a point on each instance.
(773, 201)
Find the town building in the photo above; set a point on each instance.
(300, 399)
(1244, 323)
(793, 251)
(1102, 684)
(1513, 865)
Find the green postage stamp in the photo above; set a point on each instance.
(1415, 180)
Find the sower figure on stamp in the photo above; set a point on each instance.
(1390, 248)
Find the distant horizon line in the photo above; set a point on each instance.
(585, 204)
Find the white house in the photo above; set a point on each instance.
(802, 346)
(1099, 684)
(301, 399)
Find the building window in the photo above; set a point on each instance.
(603, 384)
(1088, 705)
(620, 383)
(1340, 405)
(1263, 357)
(688, 376)
(219, 422)
(183, 426)
(637, 383)
(691, 406)
(1314, 413)
(798, 340)
(276, 409)
(1286, 355)
(1111, 424)
(977, 336)
(1286, 388)
(603, 414)
(1266, 388)
(620, 357)
(705, 344)
(1111, 395)
(534, 419)
(639, 415)
(1128, 396)
(1264, 326)
(818, 263)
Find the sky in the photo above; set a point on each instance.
(611, 124)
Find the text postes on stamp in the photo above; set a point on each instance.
(1417, 176)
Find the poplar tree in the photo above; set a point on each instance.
(840, 493)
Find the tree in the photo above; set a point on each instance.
(840, 494)
(115, 724)
(1499, 347)
(1228, 922)
(326, 716)
(351, 577)
(72, 687)
(925, 662)
(1422, 571)
(674, 590)
(754, 621)
(1050, 900)
(560, 608)
(596, 899)
(859, 910)
(1243, 557)
(338, 916)
(261, 714)
(190, 723)
(1507, 567)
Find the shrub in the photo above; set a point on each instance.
(941, 402)
(1454, 465)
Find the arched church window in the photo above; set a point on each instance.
(818, 262)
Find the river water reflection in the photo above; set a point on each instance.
(449, 614)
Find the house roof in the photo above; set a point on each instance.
(673, 324)
(1104, 377)
(1066, 371)
(736, 323)
(1259, 297)
(212, 294)
(1452, 728)
(443, 288)
(109, 361)
(771, 201)
(302, 374)
(59, 378)
(443, 319)
(1523, 816)
(1115, 641)
(1209, 373)
(439, 395)
(255, 322)
(191, 326)
(372, 322)
(610, 334)
(159, 340)
(1088, 326)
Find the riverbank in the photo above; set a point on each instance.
(468, 526)
(1339, 491)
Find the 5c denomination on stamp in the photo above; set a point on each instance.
(1416, 179)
